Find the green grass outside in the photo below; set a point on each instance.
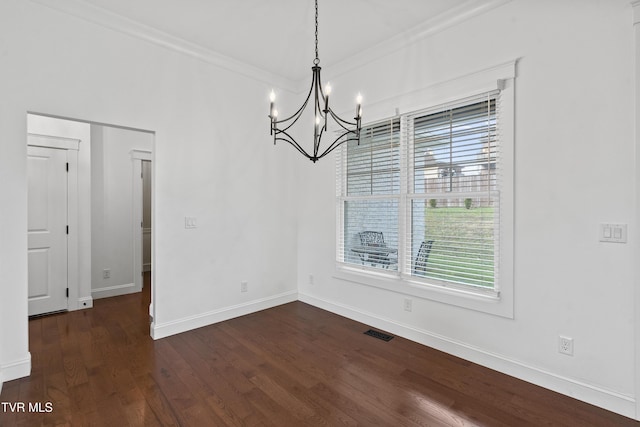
(462, 251)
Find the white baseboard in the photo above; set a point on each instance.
(14, 370)
(607, 399)
(166, 329)
(114, 291)
(86, 302)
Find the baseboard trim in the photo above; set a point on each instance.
(114, 291)
(14, 370)
(85, 302)
(606, 399)
(166, 329)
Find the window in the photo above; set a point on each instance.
(371, 181)
(419, 198)
(453, 198)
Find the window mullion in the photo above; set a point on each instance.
(406, 168)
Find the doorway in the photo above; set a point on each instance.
(146, 216)
(142, 187)
(101, 260)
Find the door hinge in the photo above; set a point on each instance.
(67, 292)
(67, 166)
(67, 229)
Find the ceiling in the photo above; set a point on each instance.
(278, 35)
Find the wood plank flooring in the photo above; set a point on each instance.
(293, 365)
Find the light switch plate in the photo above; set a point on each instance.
(613, 233)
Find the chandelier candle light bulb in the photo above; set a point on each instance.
(346, 130)
(327, 92)
(273, 113)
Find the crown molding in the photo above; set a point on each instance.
(635, 4)
(434, 25)
(124, 25)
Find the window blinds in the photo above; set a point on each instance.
(373, 166)
(453, 195)
(369, 196)
(426, 185)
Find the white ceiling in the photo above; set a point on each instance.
(278, 35)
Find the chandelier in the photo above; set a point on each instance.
(346, 130)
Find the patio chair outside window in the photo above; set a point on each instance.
(378, 252)
(420, 266)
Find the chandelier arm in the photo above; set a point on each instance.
(322, 97)
(338, 142)
(298, 113)
(342, 122)
(316, 147)
(293, 143)
(333, 147)
(297, 147)
(319, 99)
(295, 118)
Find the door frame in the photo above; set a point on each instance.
(72, 146)
(636, 253)
(137, 157)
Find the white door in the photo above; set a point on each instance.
(47, 229)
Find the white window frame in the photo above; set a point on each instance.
(497, 301)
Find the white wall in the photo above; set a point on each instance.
(213, 161)
(112, 208)
(574, 168)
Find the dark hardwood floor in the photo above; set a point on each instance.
(293, 365)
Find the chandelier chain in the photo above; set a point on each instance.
(317, 60)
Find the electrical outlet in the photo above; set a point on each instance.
(106, 273)
(565, 345)
(190, 222)
(244, 287)
(311, 279)
(408, 304)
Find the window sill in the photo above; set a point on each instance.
(489, 302)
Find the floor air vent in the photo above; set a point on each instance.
(380, 335)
